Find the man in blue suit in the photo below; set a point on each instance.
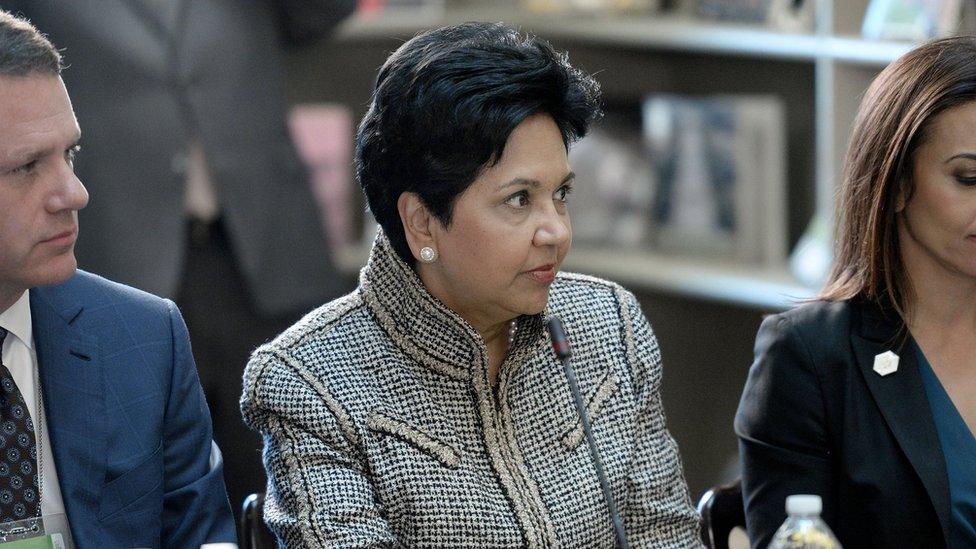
(102, 418)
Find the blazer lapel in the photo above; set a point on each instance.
(73, 385)
(902, 400)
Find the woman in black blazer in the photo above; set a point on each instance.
(867, 396)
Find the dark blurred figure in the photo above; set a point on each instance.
(199, 195)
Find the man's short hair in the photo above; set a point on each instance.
(24, 50)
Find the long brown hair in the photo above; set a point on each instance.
(890, 125)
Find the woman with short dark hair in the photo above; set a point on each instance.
(427, 408)
(867, 397)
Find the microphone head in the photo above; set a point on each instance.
(560, 345)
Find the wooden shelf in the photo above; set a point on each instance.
(858, 51)
(767, 289)
(700, 278)
(666, 32)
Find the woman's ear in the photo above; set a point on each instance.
(417, 221)
(904, 195)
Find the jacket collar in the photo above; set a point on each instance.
(422, 326)
(902, 399)
(17, 320)
(73, 385)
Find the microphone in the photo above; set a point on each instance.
(560, 345)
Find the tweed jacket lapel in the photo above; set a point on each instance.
(425, 328)
(73, 384)
(902, 400)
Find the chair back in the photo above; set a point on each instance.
(253, 532)
(722, 512)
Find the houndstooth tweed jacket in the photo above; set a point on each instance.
(381, 429)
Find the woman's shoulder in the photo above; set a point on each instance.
(574, 293)
(821, 310)
(324, 338)
(818, 320)
(327, 356)
(816, 334)
(604, 319)
(593, 304)
(303, 374)
(597, 309)
(320, 324)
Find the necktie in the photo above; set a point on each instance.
(19, 494)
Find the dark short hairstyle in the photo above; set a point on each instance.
(892, 122)
(443, 107)
(24, 50)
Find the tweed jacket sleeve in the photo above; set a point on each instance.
(659, 512)
(318, 493)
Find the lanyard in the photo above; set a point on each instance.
(39, 433)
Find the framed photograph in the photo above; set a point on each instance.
(614, 188)
(911, 20)
(793, 16)
(719, 176)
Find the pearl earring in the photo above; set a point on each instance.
(428, 254)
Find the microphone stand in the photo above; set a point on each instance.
(561, 347)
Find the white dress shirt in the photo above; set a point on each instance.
(20, 357)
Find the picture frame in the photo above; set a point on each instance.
(911, 20)
(613, 193)
(719, 176)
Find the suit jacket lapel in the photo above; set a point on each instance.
(902, 400)
(73, 385)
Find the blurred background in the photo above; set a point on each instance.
(706, 189)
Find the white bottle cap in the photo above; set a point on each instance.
(803, 504)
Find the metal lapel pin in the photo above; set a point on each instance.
(886, 363)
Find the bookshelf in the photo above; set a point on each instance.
(767, 289)
(825, 72)
(664, 32)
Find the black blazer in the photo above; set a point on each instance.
(815, 418)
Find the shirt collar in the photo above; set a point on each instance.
(17, 320)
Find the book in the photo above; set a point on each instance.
(323, 137)
(719, 176)
(729, 11)
(795, 16)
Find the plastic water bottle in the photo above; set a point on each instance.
(804, 529)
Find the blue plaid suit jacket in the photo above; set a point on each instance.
(129, 426)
